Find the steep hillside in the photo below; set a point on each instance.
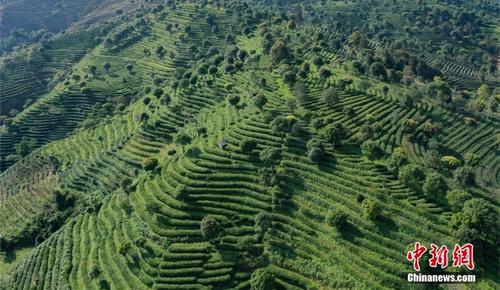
(250, 145)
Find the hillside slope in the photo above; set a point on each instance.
(238, 146)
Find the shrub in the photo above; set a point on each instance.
(262, 279)
(371, 209)
(337, 220)
(450, 162)
(411, 175)
(182, 138)
(150, 163)
(234, 100)
(260, 101)
(325, 72)
(263, 222)
(209, 227)
(464, 175)
(371, 149)
(270, 155)
(434, 184)
(477, 214)
(279, 51)
(456, 199)
(248, 145)
(280, 125)
(316, 155)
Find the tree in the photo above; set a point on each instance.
(26, 145)
(158, 92)
(92, 70)
(477, 214)
(263, 221)
(262, 279)
(260, 101)
(371, 209)
(370, 149)
(316, 155)
(106, 66)
(325, 72)
(209, 227)
(456, 199)
(434, 184)
(330, 96)
(334, 133)
(270, 155)
(182, 138)
(377, 70)
(280, 125)
(337, 219)
(440, 89)
(279, 52)
(248, 145)
(129, 67)
(464, 175)
(411, 175)
(150, 163)
(234, 100)
(450, 162)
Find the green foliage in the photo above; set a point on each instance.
(434, 184)
(334, 133)
(260, 101)
(279, 52)
(234, 100)
(411, 175)
(316, 155)
(270, 155)
(439, 89)
(456, 199)
(262, 279)
(26, 145)
(209, 227)
(477, 214)
(464, 175)
(371, 149)
(182, 138)
(150, 163)
(450, 162)
(371, 209)
(248, 145)
(280, 125)
(337, 220)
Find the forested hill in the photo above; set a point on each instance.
(249, 145)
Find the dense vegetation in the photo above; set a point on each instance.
(249, 144)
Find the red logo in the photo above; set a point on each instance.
(462, 256)
(415, 255)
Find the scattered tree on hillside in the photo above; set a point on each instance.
(262, 279)
(150, 163)
(26, 145)
(457, 198)
(371, 209)
(434, 184)
(106, 66)
(411, 175)
(209, 227)
(334, 133)
(248, 145)
(450, 162)
(260, 101)
(279, 52)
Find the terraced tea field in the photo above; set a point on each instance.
(230, 145)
